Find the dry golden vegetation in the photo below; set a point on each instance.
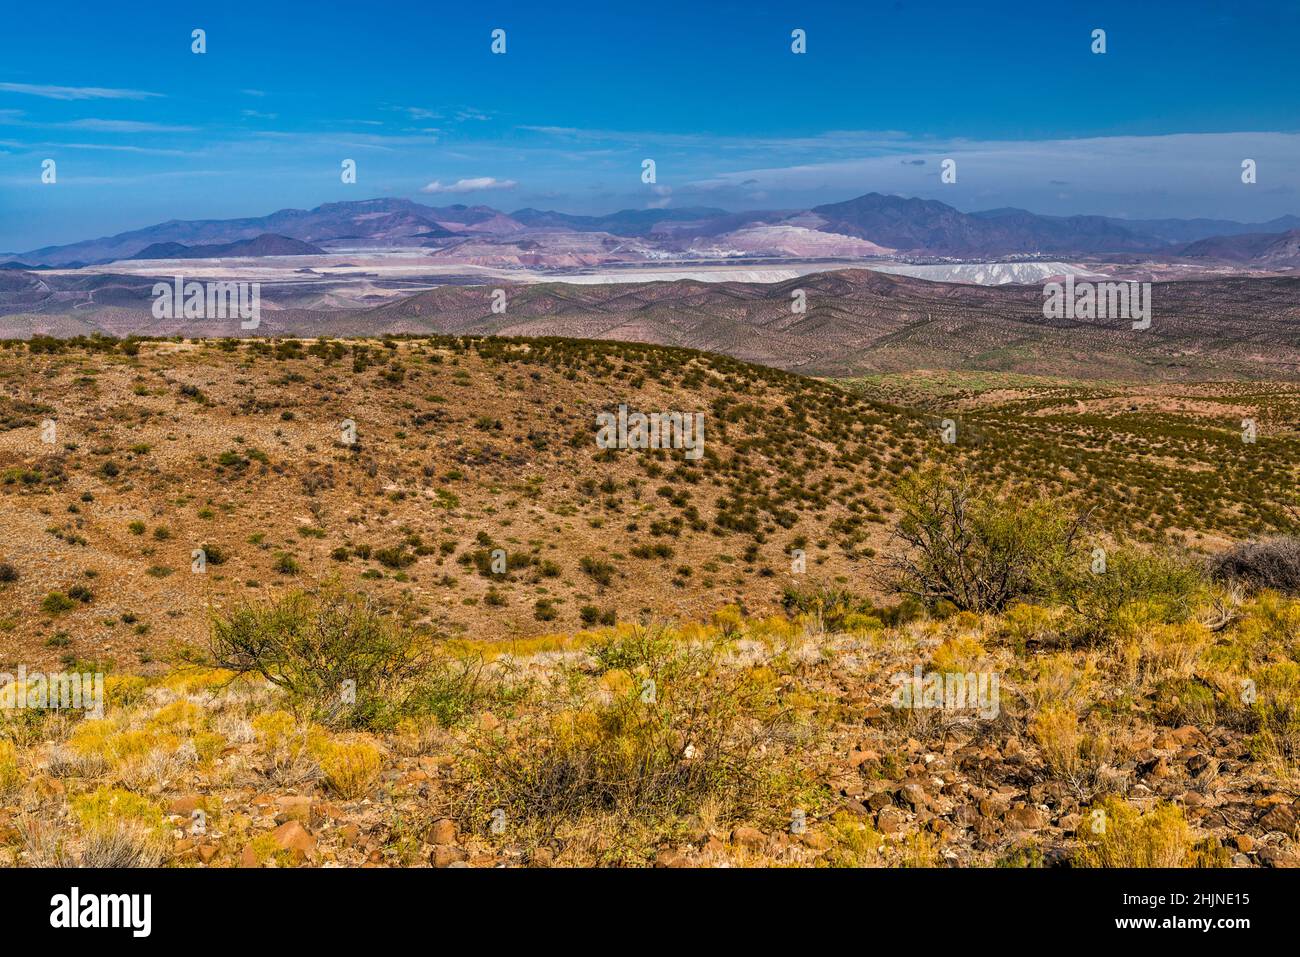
(740, 741)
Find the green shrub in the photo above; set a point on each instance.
(1139, 587)
(343, 662)
(962, 543)
(56, 603)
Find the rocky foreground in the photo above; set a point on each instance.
(736, 743)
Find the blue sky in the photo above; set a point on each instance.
(143, 130)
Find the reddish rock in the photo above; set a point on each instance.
(291, 836)
(1029, 818)
(443, 832)
(541, 857)
(293, 807)
(890, 820)
(445, 855)
(1279, 818)
(185, 804)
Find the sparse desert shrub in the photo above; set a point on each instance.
(830, 604)
(10, 776)
(286, 564)
(962, 543)
(1115, 834)
(1023, 623)
(1272, 563)
(350, 767)
(651, 648)
(213, 554)
(1275, 713)
(1075, 754)
(853, 842)
(600, 571)
(56, 603)
(120, 829)
(8, 573)
(643, 744)
(341, 660)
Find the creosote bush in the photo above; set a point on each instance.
(964, 544)
(343, 661)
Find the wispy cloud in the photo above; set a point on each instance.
(125, 126)
(111, 148)
(472, 185)
(75, 92)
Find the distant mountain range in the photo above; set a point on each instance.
(873, 224)
(1262, 249)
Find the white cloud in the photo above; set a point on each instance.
(124, 126)
(472, 185)
(75, 92)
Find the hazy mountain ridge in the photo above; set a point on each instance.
(268, 244)
(908, 226)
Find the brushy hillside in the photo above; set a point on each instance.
(462, 447)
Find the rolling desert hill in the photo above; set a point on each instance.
(855, 322)
(461, 446)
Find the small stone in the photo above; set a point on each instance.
(1190, 734)
(667, 857)
(890, 820)
(881, 799)
(185, 804)
(748, 837)
(914, 795)
(815, 840)
(446, 855)
(1278, 857)
(1029, 818)
(294, 807)
(443, 832)
(293, 837)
